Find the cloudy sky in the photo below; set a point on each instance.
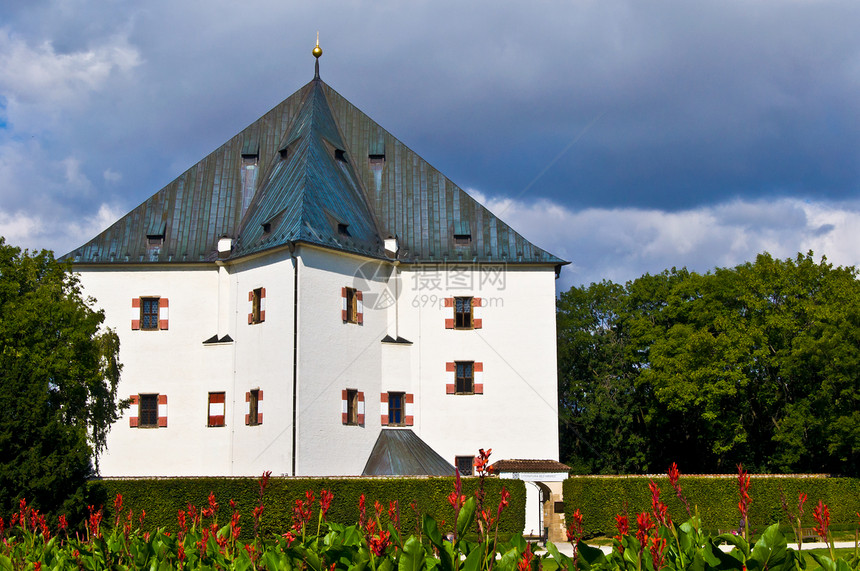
(625, 136)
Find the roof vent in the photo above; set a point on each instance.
(155, 240)
(343, 229)
(462, 233)
(267, 227)
(340, 155)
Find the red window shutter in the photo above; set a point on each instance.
(383, 402)
(251, 308)
(135, 313)
(477, 322)
(260, 407)
(162, 411)
(343, 312)
(262, 304)
(247, 408)
(409, 409)
(359, 311)
(135, 403)
(344, 407)
(162, 313)
(449, 313)
(450, 378)
(478, 374)
(361, 408)
(216, 412)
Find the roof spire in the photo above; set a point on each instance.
(317, 53)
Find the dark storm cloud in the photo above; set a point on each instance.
(605, 105)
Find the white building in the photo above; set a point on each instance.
(311, 287)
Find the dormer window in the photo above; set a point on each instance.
(155, 240)
(267, 227)
(340, 155)
(462, 233)
(343, 229)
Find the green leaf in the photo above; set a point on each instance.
(590, 556)
(466, 516)
(412, 558)
(431, 528)
(473, 560)
(716, 558)
(737, 541)
(771, 551)
(562, 560)
(826, 563)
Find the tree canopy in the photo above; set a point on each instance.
(58, 382)
(758, 364)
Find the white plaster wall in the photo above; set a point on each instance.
(517, 414)
(172, 362)
(333, 356)
(263, 360)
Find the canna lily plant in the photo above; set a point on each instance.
(377, 543)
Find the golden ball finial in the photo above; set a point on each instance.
(317, 50)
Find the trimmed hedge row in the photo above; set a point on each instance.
(162, 498)
(600, 499)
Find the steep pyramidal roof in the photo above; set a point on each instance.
(312, 170)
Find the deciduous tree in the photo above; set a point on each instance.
(58, 381)
(757, 364)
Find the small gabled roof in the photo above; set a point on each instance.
(521, 465)
(400, 452)
(313, 170)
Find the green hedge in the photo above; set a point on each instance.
(599, 499)
(162, 498)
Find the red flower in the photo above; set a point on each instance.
(234, 524)
(213, 505)
(394, 513)
(325, 501)
(289, 537)
(455, 500)
(822, 515)
(622, 524)
(525, 564)
(481, 462)
(743, 490)
(574, 530)
(378, 543)
(503, 503)
(117, 509)
(63, 523)
(94, 521)
(361, 511)
(643, 526)
(674, 475)
(658, 508)
(264, 481)
(657, 548)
